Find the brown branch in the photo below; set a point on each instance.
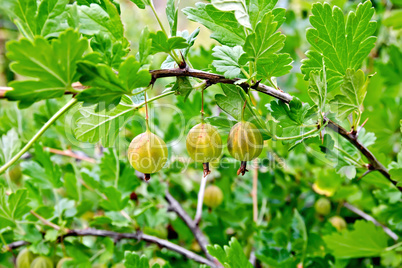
(215, 78)
(44, 221)
(370, 218)
(119, 236)
(175, 206)
(70, 153)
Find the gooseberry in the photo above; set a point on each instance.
(213, 196)
(245, 143)
(147, 153)
(338, 222)
(16, 174)
(204, 144)
(157, 260)
(42, 262)
(24, 258)
(63, 261)
(323, 206)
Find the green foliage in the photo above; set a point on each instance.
(161, 43)
(365, 240)
(107, 87)
(103, 125)
(231, 256)
(227, 61)
(36, 59)
(224, 26)
(354, 89)
(293, 117)
(13, 208)
(33, 18)
(75, 170)
(338, 44)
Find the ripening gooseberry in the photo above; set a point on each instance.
(42, 262)
(147, 153)
(338, 222)
(204, 144)
(323, 206)
(213, 196)
(24, 258)
(245, 143)
(63, 261)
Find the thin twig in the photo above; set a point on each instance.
(370, 218)
(44, 221)
(200, 200)
(364, 174)
(175, 206)
(70, 153)
(136, 236)
(254, 191)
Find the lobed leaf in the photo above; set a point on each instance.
(227, 61)
(224, 26)
(36, 59)
(103, 125)
(341, 45)
(365, 240)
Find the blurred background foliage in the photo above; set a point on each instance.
(289, 182)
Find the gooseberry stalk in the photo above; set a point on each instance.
(38, 134)
(146, 111)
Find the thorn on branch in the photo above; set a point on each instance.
(183, 64)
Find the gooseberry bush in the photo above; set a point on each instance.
(243, 133)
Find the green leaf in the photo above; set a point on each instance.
(144, 46)
(293, 116)
(264, 42)
(232, 256)
(45, 18)
(103, 125)
(109, 166)
(227, 60)
(238, 7)
(182, 87)
(224, 26)
(141, 3)
(113, 54)
(70, 183)
(277, 65)
(299, 233)
(161, 43)
(190, 39)
(114, 201)
(171, 14)
(366, 240)
(394, 19)
(317, 89)
(133, 260)
(232, 103)
(14, 208)
(342, 45)
(9, 146)
(108, 87)
(258, 8)
(391, 70)
(354, 89)
(104, 20)
(261, 47)
(43, 170)
(36, 59)
(51, 235)
(223, 123)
